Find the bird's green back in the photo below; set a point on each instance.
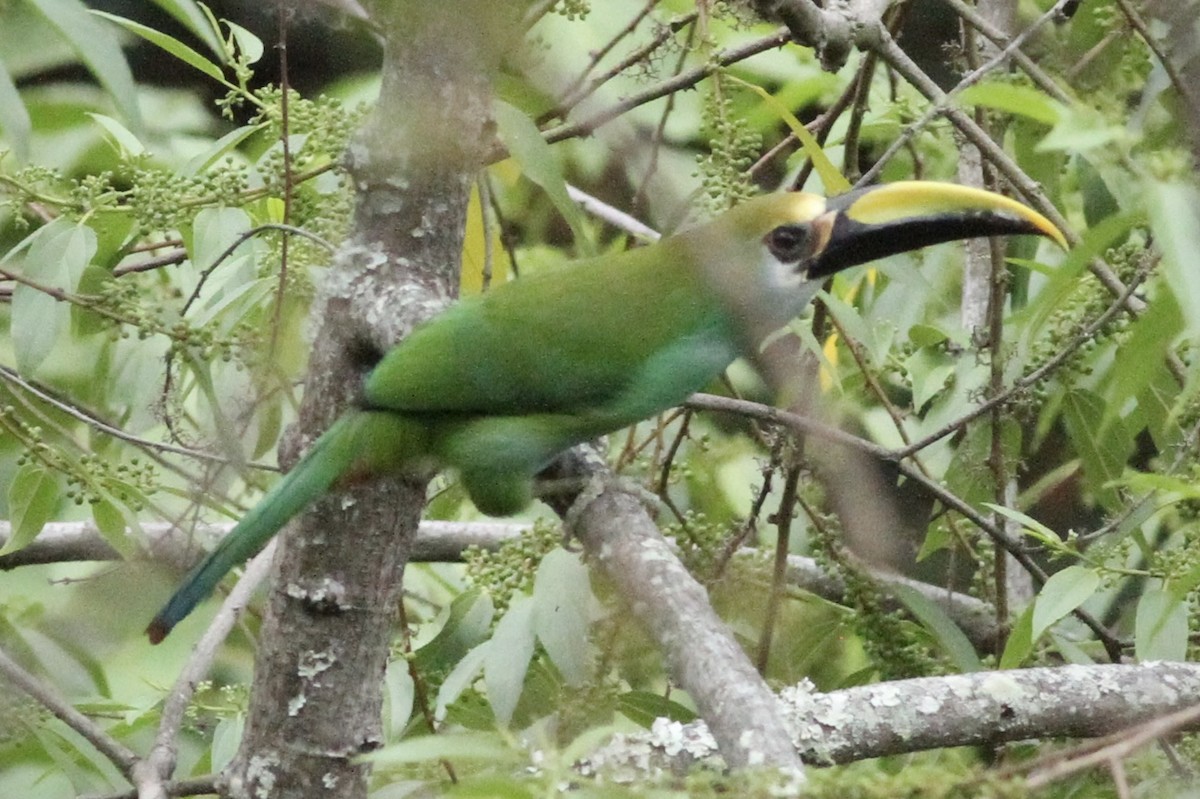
(638, 330)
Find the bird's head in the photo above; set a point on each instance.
(804, 238)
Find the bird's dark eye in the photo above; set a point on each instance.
(788, 243)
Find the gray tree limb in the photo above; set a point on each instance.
(443, 542)
(316, 700)
(892, 718)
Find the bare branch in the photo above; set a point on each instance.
(744, 715)
(892, 718)
(181, 547)
(445, 542)
(681, 81)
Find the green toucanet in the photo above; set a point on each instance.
(500, 384)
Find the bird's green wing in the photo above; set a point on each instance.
(636, 329)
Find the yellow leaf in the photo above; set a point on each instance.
(835, 182)
(274, 209)
(475, 253)
(830, 352)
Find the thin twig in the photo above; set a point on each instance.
(941, 105)
(241, 239)
(782, 519)
(93, 421)
(1112, 645)
(613, 216)
(684, 80)
(122, 757)
(1115, 746)
(577, 92)
(1178, 82)
(773, 415)
(1002, 41)
(172, 257)
(285, 12)
(160, 762)
(1037, 375)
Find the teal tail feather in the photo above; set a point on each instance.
(352, 444)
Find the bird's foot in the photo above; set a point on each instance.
(587, 490)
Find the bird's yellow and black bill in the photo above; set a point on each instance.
(866, 224)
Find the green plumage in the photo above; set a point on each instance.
(499, 385)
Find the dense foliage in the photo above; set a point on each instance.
(160, 254)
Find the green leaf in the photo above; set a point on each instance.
(928, 370)
(1070, 650)
(1158, 404)
(219, 149)
(400, 694)
(937, 538)
(1183, 586)
(14, 116)
(270, 425)
(494, 786)
(249, 46)
(1143, 354)
(525, 144)
(125, 141)
(1065, 591)
(1020, 641)
(1161, 628)
(1064, 280)
(508, 657)
(954, 643)
(189, 14)
(1147, 481)
(467, 623)
(113, 233)
(1174, 210)
(1080, 129)
(110, 522)
(1032, 266)
(849, 318)
(1098, 202)
(925, 335)
(460, 678)
(562, 598)
(214, 231)
(227, 736)
(1024, 135)
(487, 746)
(58, 254)
(831, 177)
(643, 707)
(33, 497)
(232, 304)
(98, 49)
(84, 321)
(75, 755)
(37, 321)
(1011, 98)
(168, 43)
(1102, 449)
(1031, 526)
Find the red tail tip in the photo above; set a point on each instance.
(157, 631)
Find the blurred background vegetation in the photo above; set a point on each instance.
(140, 295)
